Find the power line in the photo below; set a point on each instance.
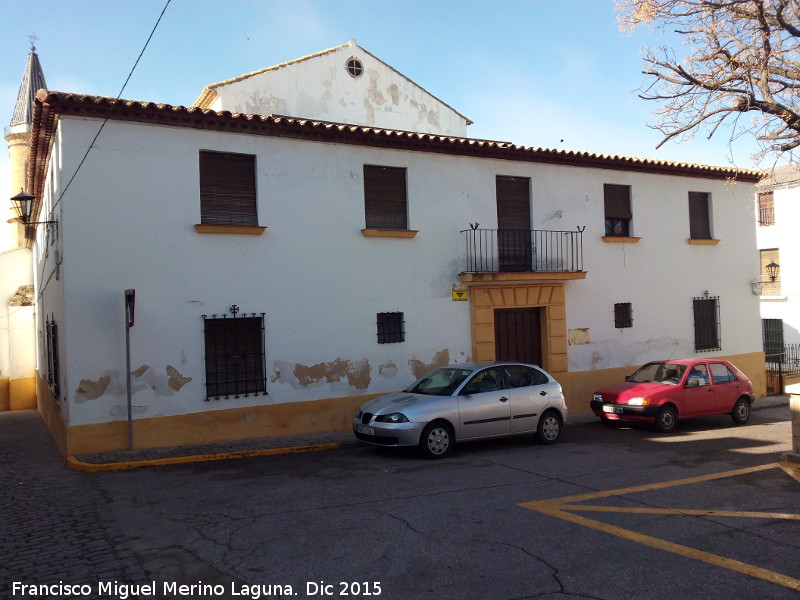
(89, 149)
(111, 109)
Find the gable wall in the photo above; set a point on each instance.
(321, 88)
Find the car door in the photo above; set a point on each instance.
(483, 405)
(529, 394)
(699, 396)
(727, 389)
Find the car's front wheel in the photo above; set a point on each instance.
(549, 428)
(741, 411)
(667, 419)
(437, 440)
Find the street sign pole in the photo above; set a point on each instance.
(130, 300)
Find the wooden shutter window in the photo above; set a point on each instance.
(617, 200)
(385, 204)
(766, 208)
(227, 189)
(513, 202)
(699, 217)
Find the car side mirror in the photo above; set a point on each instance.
(628, 377)
(470, 389)
(693, 383)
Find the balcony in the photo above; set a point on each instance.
(541, 253)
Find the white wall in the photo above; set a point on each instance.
(321, 88)
(17, 342)
(128, 222)
(783, 236)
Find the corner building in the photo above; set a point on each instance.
(313, 234)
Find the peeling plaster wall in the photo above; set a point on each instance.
(320, 282)
(321, 88)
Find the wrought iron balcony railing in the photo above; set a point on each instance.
(523, 251)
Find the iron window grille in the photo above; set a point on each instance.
(391, 328)
(623, 315)
(766, 209)
(51, 344)
(706, 323)
(234, 355)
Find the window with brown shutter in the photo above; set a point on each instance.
(227, 188)
(766, 209)
(699, 217)
(385, 201)
(618, 214)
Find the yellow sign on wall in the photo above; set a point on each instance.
(460, 295)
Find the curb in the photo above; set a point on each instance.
(79, 465)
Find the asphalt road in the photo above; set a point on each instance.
(606, 513)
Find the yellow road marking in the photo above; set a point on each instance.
(680, 511)
(562, 508)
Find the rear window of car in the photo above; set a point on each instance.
(721, 373)
(522, 376)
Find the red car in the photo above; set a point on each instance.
(662, 392)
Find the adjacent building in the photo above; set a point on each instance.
(313, 234)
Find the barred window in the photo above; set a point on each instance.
(623, 315)
(391, 328)
(235, 357)
(766, 209)
(51, 347)
(706, 323)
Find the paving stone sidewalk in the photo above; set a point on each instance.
(286, 443)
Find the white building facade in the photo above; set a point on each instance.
(287, 269)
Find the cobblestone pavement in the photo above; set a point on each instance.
(55, 525)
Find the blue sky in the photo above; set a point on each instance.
(553, 74)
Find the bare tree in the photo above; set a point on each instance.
(741, 68)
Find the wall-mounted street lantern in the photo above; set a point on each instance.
(773, 269)
(23, 203)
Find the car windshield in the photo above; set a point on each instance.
(441, 382)
(666, 373)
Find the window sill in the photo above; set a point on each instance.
(389, 233)
(702, 242)
(620, 239)
(234, 229)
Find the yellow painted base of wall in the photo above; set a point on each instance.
(317, 416)
(17, 394)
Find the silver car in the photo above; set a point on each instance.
(466, 401)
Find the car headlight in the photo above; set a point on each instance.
(598, 397)
(639, 401)
(392, 418)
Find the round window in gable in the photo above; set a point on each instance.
(354, 67)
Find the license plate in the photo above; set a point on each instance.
(365, 430)
(612, 409)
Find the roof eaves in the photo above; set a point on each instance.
(309, 129)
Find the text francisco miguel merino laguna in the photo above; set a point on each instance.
(131, 591)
